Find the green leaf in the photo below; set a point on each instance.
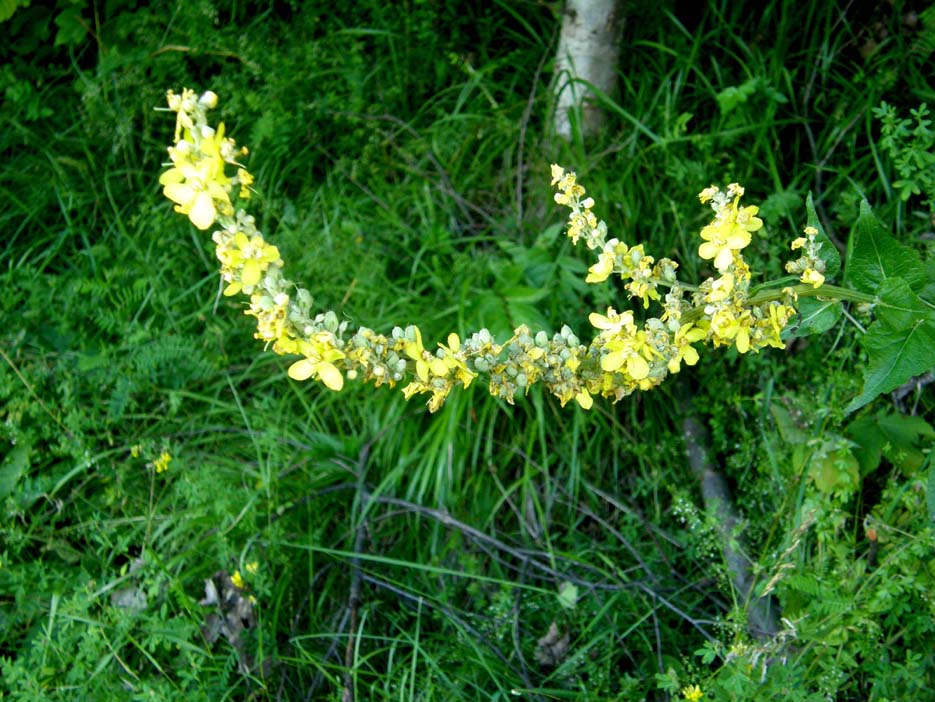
(817, 316)
(901, 438)
(828, 253)
(568, 595)
(930, 488)
(730, 98)
(875, 257)
(899, 345)
(789, 429)
(72, 29)
(9, 7)
(836, 471)
(11, 470)
(865, 432)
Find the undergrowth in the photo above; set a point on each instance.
(487, 552)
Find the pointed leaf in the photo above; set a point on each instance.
(899, 345)
(875, 256)
(817, 316)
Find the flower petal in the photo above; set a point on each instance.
(330, 376)
(301, 370)
(203, 212)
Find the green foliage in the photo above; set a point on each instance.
(900, 343)
(402, 167)
(910, 143)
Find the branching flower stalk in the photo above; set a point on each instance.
(622, 358)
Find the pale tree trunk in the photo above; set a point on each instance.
(588, 49)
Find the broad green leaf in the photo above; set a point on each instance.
(829, 253)
(865, 432)
(900, 437)
(836, 471)
(899, 345)
(875, 257)
(817, 316)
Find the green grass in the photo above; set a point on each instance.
(402, 168)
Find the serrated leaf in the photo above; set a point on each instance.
(817, 316)
(828, 252)
(899, 345)
(875, 256)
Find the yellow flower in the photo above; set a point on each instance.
(196, 183)
(692, 693)
(237, 580)
(684, 351)
(161, 464)
(584, 399)
(319, 352)
(253, 567)
(246, 258)
(557, 173)
(730, 231)
(812, 277)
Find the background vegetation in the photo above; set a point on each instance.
(488, 552)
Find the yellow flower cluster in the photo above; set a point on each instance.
(692, 693)
(721, 314)
(624, 356)
(809, 266)
(196, 183)
(161, 464)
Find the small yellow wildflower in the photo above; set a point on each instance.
(253, 567)
(692, 693)
(237, 580)
(161, 464)
(320, 352)
(812, 277)
(730, 231)
(246, 180)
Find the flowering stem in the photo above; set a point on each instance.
(825, 291)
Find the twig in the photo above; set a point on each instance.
(761, 611)
(525, 557)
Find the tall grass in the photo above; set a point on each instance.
(402, 168)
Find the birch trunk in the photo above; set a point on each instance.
(588, 49)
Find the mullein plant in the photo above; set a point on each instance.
(623, 357)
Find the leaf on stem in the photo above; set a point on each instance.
(875, 257)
